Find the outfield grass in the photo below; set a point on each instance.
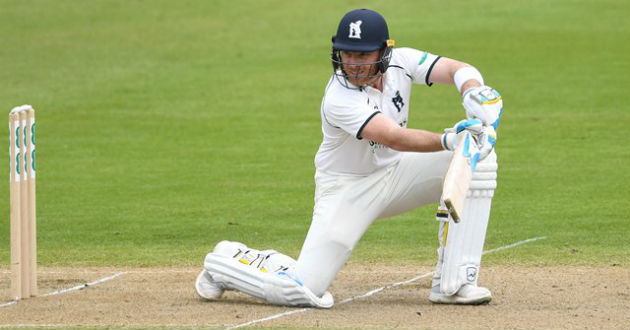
(164, 127)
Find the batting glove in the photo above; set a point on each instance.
(483, 103)
(450, 137)
(486, 141)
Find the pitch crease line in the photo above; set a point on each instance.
(83, 286)
(377, 290)
(74, 288)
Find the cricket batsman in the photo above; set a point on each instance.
(371, 166)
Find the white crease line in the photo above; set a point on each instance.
(74, 288)
(375, 291)
(515, 244)
(8, 303)
(345, 301)
(25, 325)
(97, 271)
(268, 318)
(83, 286)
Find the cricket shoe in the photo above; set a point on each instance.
(207, 288)
(468, 294)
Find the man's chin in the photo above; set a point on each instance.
(367, 81)
(360, 81)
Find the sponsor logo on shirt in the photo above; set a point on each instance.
(375, 146)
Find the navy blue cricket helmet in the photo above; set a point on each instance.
(362, 30)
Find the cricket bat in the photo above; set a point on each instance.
(459, 176)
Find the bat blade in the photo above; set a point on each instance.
(458, 177)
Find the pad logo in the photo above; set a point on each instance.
(471, 274)
(398, 101)
(355, 30)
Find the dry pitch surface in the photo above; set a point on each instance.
(524, 298)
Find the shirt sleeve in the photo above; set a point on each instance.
(418, 63)
(351, 118)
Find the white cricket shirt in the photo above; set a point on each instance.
(345, 112)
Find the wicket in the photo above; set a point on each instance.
(22, 178)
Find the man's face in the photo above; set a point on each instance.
(359, 66)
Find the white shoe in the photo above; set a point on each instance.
(468, 294)
(206, 287)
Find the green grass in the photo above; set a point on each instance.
(164, 127)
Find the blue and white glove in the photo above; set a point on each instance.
(450, 137)
(484, 103)
(486, 141)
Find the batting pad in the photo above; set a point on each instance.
(464, 240)
(278, 285)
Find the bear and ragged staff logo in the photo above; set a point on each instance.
(355, 30)
(398, 101)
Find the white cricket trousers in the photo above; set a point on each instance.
(345, 206)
